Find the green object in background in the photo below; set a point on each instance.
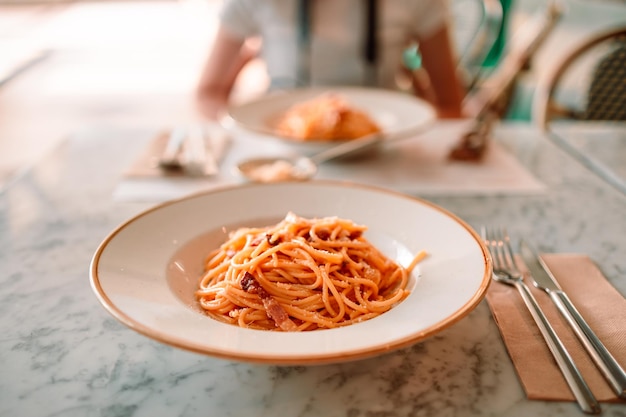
(495, 53)
(412, 58)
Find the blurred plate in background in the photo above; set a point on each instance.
(397, 113)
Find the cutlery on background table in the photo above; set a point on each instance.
(506, 271)
(543, 279)
(473, 144)
(194, 150)
(170, 159)
(198, 160)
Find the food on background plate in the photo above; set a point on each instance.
(301, 274)
(326, 117)
(272, 172)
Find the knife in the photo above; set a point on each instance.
(170, 157)
(543, 279)
(200, 160)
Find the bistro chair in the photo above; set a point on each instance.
(490, 98)
(479, 33)
(588, 83)
(588, 87)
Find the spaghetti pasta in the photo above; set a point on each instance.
(326, 117)
(300, 274)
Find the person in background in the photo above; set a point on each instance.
(334, 43)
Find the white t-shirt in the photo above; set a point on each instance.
(337, 36)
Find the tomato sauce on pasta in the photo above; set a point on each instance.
(326, 117)
(300, 274)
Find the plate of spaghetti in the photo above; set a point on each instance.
(287, 273)
(315, 118)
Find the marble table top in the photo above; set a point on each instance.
(597, 145)
(62, 354)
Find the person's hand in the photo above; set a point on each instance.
(210, 106)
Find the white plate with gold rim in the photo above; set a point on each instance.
(397, 113)
(146, 271)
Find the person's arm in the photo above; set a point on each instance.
(226, 60)
(438, 58)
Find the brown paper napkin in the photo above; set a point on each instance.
(602, 306)
(147, 164)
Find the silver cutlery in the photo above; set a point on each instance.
(196, 153)
(506, 271)
(544, 279)
(170, 159)
(194, 150)
(218, 141)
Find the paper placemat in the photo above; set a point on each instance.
(419, 165)
(422, 166)
(602, 306)
(144, 180)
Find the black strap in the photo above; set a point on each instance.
(371, 45)
(370, 42)
(304, 42)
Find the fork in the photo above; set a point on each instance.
(170, 158)
(506, 271)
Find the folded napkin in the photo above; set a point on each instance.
(602, 306)
(144, 180)
(147, 164)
